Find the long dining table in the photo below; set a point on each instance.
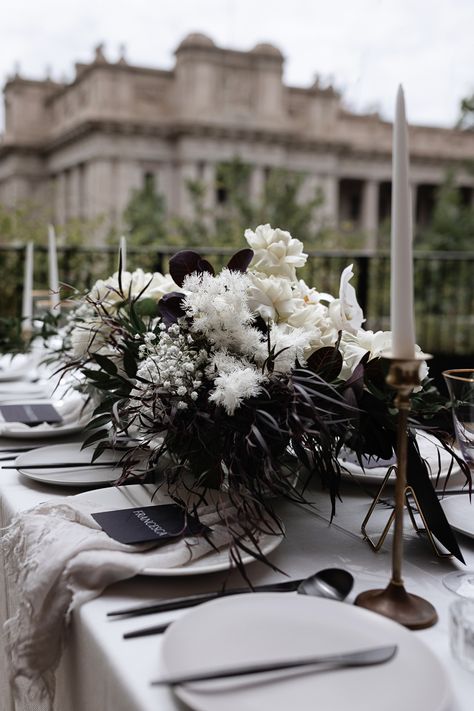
(102, 671)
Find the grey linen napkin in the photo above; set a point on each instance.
(57, 558)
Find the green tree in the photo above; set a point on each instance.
(193, 232)
(452, 224)
(144, 216)
(280, 205)
(466, 114)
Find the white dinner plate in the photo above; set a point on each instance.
(122, 497)
(23, 389)
(266, 627)
(86, 475)
(430, 448)
(74, 417)
(15, 367)
(459, 510)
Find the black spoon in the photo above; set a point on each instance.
(331, 583)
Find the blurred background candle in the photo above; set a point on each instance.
(401, 283)
(123, 252)
(53, 270)
(27, 305)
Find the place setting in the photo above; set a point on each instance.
(229, 636)
(25, 420)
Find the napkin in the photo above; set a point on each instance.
(72, 411)
(13, 366)
(57, 557)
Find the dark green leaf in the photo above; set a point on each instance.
(105, 363)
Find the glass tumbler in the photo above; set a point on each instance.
(461, 632)
(460, 384)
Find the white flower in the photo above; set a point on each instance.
(275, 251)
(219, 309)
(345, 312)
(290, 344)
(271, 297)
(236, 381)
(89, 337)
(354, 346)
(147, 285)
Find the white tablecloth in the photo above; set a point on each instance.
(102, 672)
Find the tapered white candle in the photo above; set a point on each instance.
(401, 292)
(27, 305)
(123, 252)
(53, 270)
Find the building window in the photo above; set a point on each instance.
(232, 178)
(350, 203)
(149, 182)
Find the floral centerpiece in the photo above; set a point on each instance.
(247, 381)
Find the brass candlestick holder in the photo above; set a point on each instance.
(394, 601)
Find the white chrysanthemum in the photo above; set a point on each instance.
(275, 251)
(146, 284)
(272, 297)
(345, 312)
(218, 307)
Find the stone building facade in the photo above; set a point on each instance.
(81, 147)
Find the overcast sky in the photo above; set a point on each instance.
(366, 46)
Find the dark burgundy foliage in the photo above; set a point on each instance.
(240, 261)
(170, 307)
(187, 262)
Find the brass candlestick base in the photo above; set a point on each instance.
(394, 601)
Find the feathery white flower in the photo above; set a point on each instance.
(232, 388)
(218, 306)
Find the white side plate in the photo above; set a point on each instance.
(459, 510)
(144, 495)
(429, 447)
(86, 475)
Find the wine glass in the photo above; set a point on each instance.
(460, 384)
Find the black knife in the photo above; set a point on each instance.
(179, 603)
(362, 658)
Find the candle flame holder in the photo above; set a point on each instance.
(394, 601)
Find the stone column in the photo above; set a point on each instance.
(74, 191)
(257, 184)
(60, 199)
(209, 181)
(370, 210)
(98, 193)
(330, 207)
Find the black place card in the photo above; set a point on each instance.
(30, 414)
(146, 524)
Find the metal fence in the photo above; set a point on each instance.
(444, 284)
